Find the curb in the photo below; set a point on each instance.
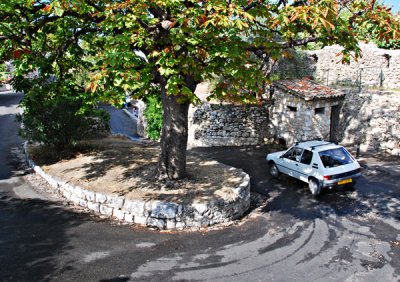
(155, 214)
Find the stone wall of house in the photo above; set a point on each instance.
(372, 119)
(227, 125)
(377, 67)
(294, 119)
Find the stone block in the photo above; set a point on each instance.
(66, 194)
(101, 198)
(82, 203)
(93, 206)
(106, 210)
(68, 187)
(171, 224)
(164, 210)
(201, 208)
(129, 217)
(135, 207)
(156, 222)
(119, 214)
(75, 199)
(90, 195)
(142, 220)
(115, 201)
(180, 225)
(78, 192)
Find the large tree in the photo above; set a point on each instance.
(168, 46)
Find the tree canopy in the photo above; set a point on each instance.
(102, 49)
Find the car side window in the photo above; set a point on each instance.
(289, 154)
(306, 157)
(293, 154)
(297, 152)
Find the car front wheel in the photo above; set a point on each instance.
(273, 170)
(314, 186)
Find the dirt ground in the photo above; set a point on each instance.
(117, 165)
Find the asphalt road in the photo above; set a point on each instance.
(340, 236)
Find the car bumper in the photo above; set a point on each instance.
(340, 181)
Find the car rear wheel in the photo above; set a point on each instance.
(314, 186)
(273, 170)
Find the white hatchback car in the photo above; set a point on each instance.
(321, 164)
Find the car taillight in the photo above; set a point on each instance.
(327, 177)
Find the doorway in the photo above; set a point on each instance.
(334, 130)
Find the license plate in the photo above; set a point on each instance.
(345, 181)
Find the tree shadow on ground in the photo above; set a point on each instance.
(33, 236)
(128, 169)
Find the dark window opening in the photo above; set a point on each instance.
(387, 58)
(292, 109)
(320, 110)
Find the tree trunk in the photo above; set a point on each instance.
(174, 136)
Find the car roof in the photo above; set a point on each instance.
(317, 145)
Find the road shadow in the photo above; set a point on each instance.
(8, 139)
(10, 100)
(291, 199)
(33, 236)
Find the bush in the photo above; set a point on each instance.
(153, 115)
(57, 119)
(21, 83)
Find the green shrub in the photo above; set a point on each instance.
(21, 83)
(153, 115)
(57, 118)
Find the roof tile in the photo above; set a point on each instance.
(307, 89)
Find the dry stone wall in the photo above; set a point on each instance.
(372, 119)
(377, 67)
(155, 213)
(227, 125)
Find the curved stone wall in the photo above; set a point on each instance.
(151, 213)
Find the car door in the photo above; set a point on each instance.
(305, 168)
(290, 161)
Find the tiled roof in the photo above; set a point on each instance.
(307, 89)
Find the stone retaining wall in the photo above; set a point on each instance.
(377, 67)
(157, 214)
(227, 125)
(372, 119)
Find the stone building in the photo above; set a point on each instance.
(304, 110)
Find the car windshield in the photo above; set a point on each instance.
(335, 157)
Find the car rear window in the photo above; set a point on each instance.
(335, 157)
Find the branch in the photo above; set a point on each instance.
(298, 42)
(283, 45)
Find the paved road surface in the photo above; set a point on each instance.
(121, 123)
(341, 236)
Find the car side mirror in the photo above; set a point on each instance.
(281, 156)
